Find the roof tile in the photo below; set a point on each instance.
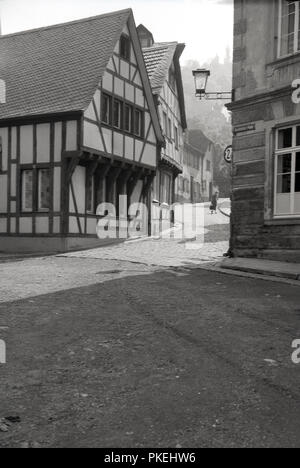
(57, 69)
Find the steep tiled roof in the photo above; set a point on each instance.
(199, 140)
(57, 69)
(158, 59)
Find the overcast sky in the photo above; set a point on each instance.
(205, 26)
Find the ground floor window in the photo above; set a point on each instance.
(27, 190)
(44, 189)
(35, 193)
(287, 172)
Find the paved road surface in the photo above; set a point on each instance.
(108, 353)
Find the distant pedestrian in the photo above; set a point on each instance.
(214, 203)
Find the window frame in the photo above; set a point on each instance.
(36, 192)
(106, 96)
(127, 56)
(139, 134)
(23, 191)
(296, 47)
(131, 119)
(293, 150)
(120, 114)
(123, 104)
(39, 171)
(176, 137)
(170, 128)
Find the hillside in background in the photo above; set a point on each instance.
(211, 117)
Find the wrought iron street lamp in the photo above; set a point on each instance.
(201, 76)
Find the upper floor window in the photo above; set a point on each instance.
(165, 123)
(138, 123)
(128, 118)
(208, 166)
(122, 115)
(287, 172)
(125, 47)
(176, 135)
(170, 128)
(289, 28)
(117, 121)
(106, 109)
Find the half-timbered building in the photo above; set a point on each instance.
(163, 66)
(79, 128)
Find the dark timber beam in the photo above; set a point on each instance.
(132, 184)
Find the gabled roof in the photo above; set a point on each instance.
(57, 69)
(199, 140)
(158, 60)
(145, 33)
(192, 149)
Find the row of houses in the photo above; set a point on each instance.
(94, 114)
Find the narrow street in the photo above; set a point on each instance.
(120, 349)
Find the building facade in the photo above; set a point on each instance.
(163, 66)
(266, 130)
(79, 128)
(196, 183)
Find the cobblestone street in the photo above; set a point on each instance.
(208, 247)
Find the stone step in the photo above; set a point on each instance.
(263, 267)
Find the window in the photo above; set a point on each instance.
(176, 137)
(289, 26)
(27, 190)
(180, 183)
(138, 123)
(128, 118)
(106, 109)
(117, 114)
(208, 166)
(169, 128)
(90, 195)
(125, 47)
(287, 172)
(165, 124)
(122, 116)
(43, 189)
(32, 199)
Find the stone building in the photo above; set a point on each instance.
(79, 128)
(266, 130)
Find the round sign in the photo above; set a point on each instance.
(228, 154)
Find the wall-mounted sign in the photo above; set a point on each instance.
(228, 154)
(244, 128)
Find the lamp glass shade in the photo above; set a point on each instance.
(201, 77)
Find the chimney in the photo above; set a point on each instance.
(145, 36)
